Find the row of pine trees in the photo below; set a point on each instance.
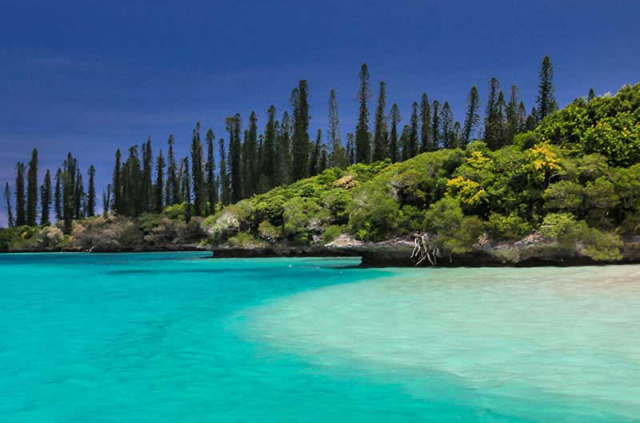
(250, 162)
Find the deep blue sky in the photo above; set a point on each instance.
(89, 76)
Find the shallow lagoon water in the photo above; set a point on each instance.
(177, 338)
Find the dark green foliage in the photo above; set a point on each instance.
(316, 154)
(471, 118)
(132, 184)
(91, 195)
(591, 95)
(118, 194)
(235, 170)
(362, 141)
(69, 192)
(212, 182)
(58, 195)
(146, 185)
(351, 149)
(338, 157)
(300, 141)
(185, 188)
(546, 92)
(412, 146)
(532, 120)
(426, 143)
(448, 137)
(283, 152)
(269, 151)
(250, 160)
(394, 142)
(21, 206)
(159, 185)
(493, 119)
(32, 189)
(435, 124)
(225, 183)
(106, 200)
(45, 199)
(172, 191)
(381, 134)
(405, 142)
(7, 202)
(79, 197)
(197, 173)
(514, 121)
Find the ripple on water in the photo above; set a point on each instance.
(545, 343)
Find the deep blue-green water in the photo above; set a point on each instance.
(178, 338)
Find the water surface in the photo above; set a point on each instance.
(178, 338)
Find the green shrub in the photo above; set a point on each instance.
(268, 232)
(509, 227)
(244, 240)
(599, 245)
(564, 195)
(578, 236)
(451, 230)
(331, 233)
(374, 213)
(299, 214)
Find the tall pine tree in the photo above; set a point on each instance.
(45, 199)
(512, 116)
(58, 195)
(351, 148)
(435, 124)
(225, 187)
(21, 206)
(172, 193)
(426, 143)
(363, 143)
(413, 134)
(199, 193)
(394, 147)
(146, 187)
(212, 186)
(300, 147)
(91, 197)
(268, 156)
(472, 117)
(338, 157)
(316, 154)
(32, 189)
(446, 122)
(250, 158)
(69, 192)
(492, 120)
(546, 92)
(186, 189)
(7, 201)
(381, 134)
(159, 185)
(234, 128)
(118, 198)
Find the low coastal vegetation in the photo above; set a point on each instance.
(561, 182)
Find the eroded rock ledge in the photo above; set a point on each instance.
(397, 253)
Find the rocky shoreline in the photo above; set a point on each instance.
(394, 253)
(398, 253)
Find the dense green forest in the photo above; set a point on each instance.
(575, 180)
(571, 177)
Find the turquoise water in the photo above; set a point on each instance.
(177, 338)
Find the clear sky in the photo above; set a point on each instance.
(89, 76)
